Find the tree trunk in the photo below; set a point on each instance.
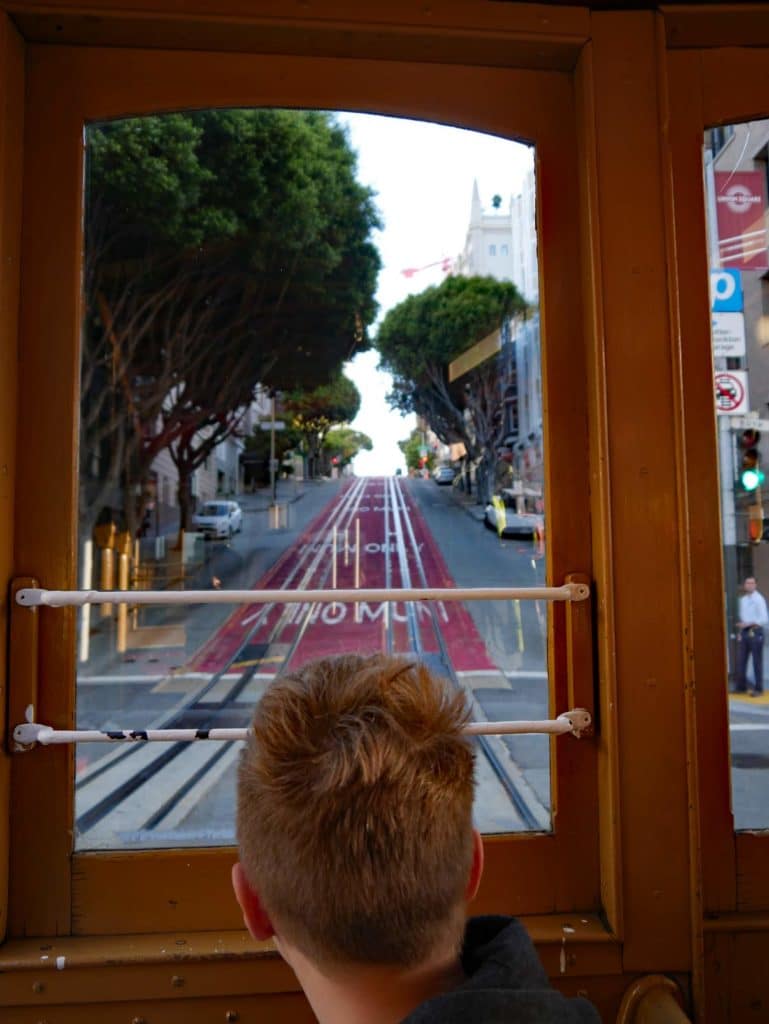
(485, 478)
(184, 497)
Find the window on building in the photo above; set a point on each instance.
(492, 250)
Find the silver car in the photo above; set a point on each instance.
(444, 475)
(219, 520)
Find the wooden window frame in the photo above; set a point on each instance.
(68, 87)
(710, 86)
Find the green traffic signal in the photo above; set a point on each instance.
(751, 479)
(751, 474)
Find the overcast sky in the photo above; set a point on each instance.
(422, 175)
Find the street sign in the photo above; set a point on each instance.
(732, 392)
(750, 422)
(725, 290)
(269, 425)
(727, 331)
(422, 451)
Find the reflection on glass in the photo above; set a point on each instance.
(231, 438)
(736, 193)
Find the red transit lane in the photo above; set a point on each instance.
(371, 534)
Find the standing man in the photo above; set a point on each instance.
(753, 619)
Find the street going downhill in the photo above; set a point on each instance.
(370, 533)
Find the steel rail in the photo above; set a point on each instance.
(517, 798)
(28, 734)
(89, 818)
(34, 597)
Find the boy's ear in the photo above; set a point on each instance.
(476, 868)
(254, 915)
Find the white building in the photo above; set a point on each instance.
(523, 227)
(504, 246)
(488, 245)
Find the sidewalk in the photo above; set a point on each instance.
(286, 493)
(746, 698)
(468, 502)
(237, 564)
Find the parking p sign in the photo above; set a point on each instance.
(725, 290)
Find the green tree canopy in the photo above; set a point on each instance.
(314, 412)
(412, 448)
(423, 334)
(344, 443)
(223, 249)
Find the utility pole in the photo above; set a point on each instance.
(273, 474)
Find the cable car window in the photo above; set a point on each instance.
(301, 370)
(735, 163)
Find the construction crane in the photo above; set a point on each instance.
(446, 264)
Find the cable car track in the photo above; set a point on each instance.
(487, 744)
(156, 760)
(112, 809)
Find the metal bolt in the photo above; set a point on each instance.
(138, 1020)
(177, 981)
(231, 1016)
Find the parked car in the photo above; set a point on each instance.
(528, 525)
(444, 475)
(219, 519)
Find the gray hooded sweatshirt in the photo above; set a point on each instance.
(505, 983)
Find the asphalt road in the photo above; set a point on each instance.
(140, 686)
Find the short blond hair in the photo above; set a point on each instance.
(354, 811)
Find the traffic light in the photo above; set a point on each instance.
(756, 524)
(751, 474)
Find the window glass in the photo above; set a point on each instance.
(278, 393)
(735, 163)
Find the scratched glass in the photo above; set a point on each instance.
(229, 284)
(738, 249)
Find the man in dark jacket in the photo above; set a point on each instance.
(358, 856)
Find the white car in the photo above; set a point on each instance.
(219, 519)
(503, 517)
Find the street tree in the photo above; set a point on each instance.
(314, 412)
(413, 448)
(223, 249)
(343, 444)
(258, 447)
(420, 337)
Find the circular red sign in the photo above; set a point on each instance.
(730, 393)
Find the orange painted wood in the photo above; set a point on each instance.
(106, 83)
(11, 133)
(645, 521)
(707, 643)
(607, 746)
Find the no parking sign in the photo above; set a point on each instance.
(731, 392)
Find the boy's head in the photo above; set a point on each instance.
(355, 811)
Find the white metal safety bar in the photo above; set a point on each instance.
(30, 733)
(31, 597)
